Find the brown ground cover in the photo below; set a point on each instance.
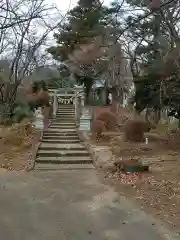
(159, 190)
(16, 146)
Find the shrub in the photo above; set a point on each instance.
(22, 110)
(17, 134)
(134, 130)
(97, 129)
(43, 98)
(109, 119)
(25, 127)
(47, 111)
(38, 99)
(5, 114)
(124, 114)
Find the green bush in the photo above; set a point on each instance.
(5, 114)
(97, 102)
(21, 110)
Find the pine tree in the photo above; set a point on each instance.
(153, 35)
(85, 21)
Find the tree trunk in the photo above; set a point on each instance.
(87, 97)
(104, 96)
(179, 123)
(117, 99)
(153, 115)
(5, 112)
(157, 113)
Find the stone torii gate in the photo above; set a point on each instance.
(67, 95)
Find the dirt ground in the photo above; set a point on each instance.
(158, 191)
(16, 148)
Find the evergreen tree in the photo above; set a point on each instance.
(154, 36)
(84, 22)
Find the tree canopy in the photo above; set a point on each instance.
(154, 34)
(96, 40)
(87, 43)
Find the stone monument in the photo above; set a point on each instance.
(85, 120)
(39, 119)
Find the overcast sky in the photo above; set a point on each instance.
(64, 5)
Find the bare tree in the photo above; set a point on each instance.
(21, 43)
(103, 57)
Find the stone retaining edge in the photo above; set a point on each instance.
(98, 162)
(83, 137)
(35, 147)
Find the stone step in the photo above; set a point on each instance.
(61, 133)
(66, 106)
(63, 116)
(63, 123)
(62, 127)
(65, 111)
(63, 138)
(61, 146)
(67, 141)
(60, 130)
(62, 153)
(60, 137)
(63, 160)
(57, 167)
(70, 133)
(64, 120)
(66, 126)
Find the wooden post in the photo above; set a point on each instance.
(76, 107)
(82, 100)
(54, 104)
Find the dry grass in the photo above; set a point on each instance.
(159, 191)
(16, 146)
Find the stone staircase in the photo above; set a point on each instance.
(60, 147)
